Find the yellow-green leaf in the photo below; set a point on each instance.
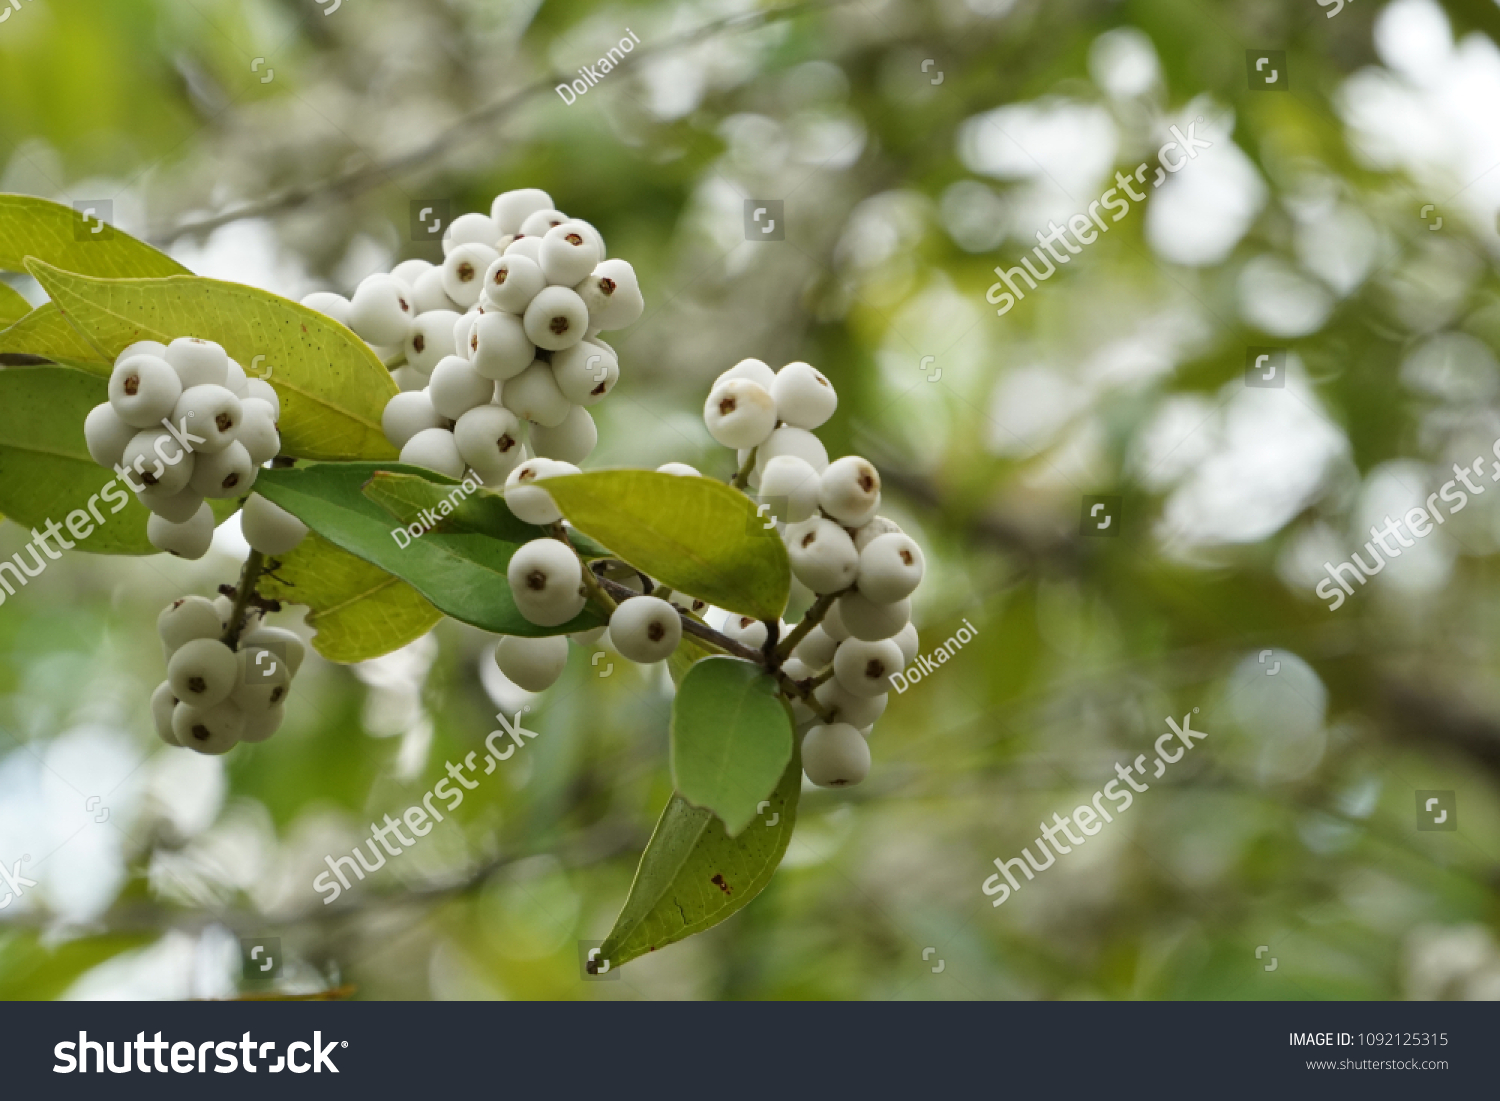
(333, 389)
(58, 235)
(13, 305)
(694, 535)
(45, 332)
(358, 610)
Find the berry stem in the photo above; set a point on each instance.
(742, 479)
(244, 594)
(691, 626)
(804, 690)
(813, 617)
(590, 579)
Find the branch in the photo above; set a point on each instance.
(813, 617)
(441, 146)
(690, 626)
(254, 566)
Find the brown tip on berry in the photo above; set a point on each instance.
(867, 481)
(277, 694)
(465, 272)
(727, 406)
(201, 732)
(501, 276)
(505, 443)
(197, 684)
(559, 325)
(809, 539)
(598, 391)
(573, 239)
(149, 479)
(656, 632)
(607, 285)
(874, 668)
(132, 385)
(418, 343)
(224, 422)
(536, 580)
(906, 556)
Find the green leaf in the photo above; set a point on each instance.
(333, 390)
(694, 535)
(57, 235)
(731, 738)
(407, 496)
(688, 654)
(358, 610)
(45, 332)
(13, 305)
(462, 573)
(693, 875)
(45, 469)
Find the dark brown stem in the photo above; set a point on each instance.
(244, 597)
(813, 617)
(690, 626)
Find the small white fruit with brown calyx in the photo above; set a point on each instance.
(532, 663)
(464, 270)
(534, 395)
(612, 295)
(804, 398)
(143, 390)
(835, 756)
(456, 387)
(512, 282)
(864, 668)
(511, 208)
(160, 462)
(645, 629)
(224, 474)
(279, 640)
(739, 413)
(528, 500)
(212, 730)
(211, 413)
(546, 582)
(498, 347)
(556, 319)
(431, 340)
(106, 435)
(756, 370)
(569, 254)
(890, 568)
(258, 431)
(187, 619)
(198, 362)
(846, 707)
(586, 372)
(203, 672)
(489, 440)
(381, 311)
(849, 490)
(822, 555)
(163, 703)
(816, 648)
(787, 440)
(874, 529)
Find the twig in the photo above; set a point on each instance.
(813, 617)
(742, 479)
(243, 597)
(690, 626)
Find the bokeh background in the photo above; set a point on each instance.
(1349, 219)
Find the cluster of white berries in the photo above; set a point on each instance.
(214, 696)
(839, 548)
(184, 423)
(502, 335)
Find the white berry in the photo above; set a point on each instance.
(822, 555)
(463, 272)
(512, 208)
(835, 756)
(381, 311)
(407, 414)
(682, 470)
(429, 295)
(198, 362)
(260, 725)
(431, 340)
(264, 680)
(539, 222)
(850, 490)
(546, 582)
(143, 390)
(816, 648)
(804, 398)
(159, 460)
(279, 640)
(585, 373)
(488, 438)
(556, 319)
(872, 530)
(569, 254)
(409, 271)
(528, 501)
(533, 395)
(787, 440)
(163, 703)
(612, 295)
(790, 486)
(529, 247)
(532, 663)
(739, 413)
(498, 346)
(572, 441)
(106, 435)
(203, 672)
(864, 668)
(512, 282)
(224, 474)
(262, 390)
(645, 629)
(910, 645)
(184, 620)
(174, 508)
(211, 413)
(890, 568)
(211, 730)
(434, 449)
(269, 528)
(867, 620)
(846, 707)
(456, 387)
(757, 371)
(471, 229)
